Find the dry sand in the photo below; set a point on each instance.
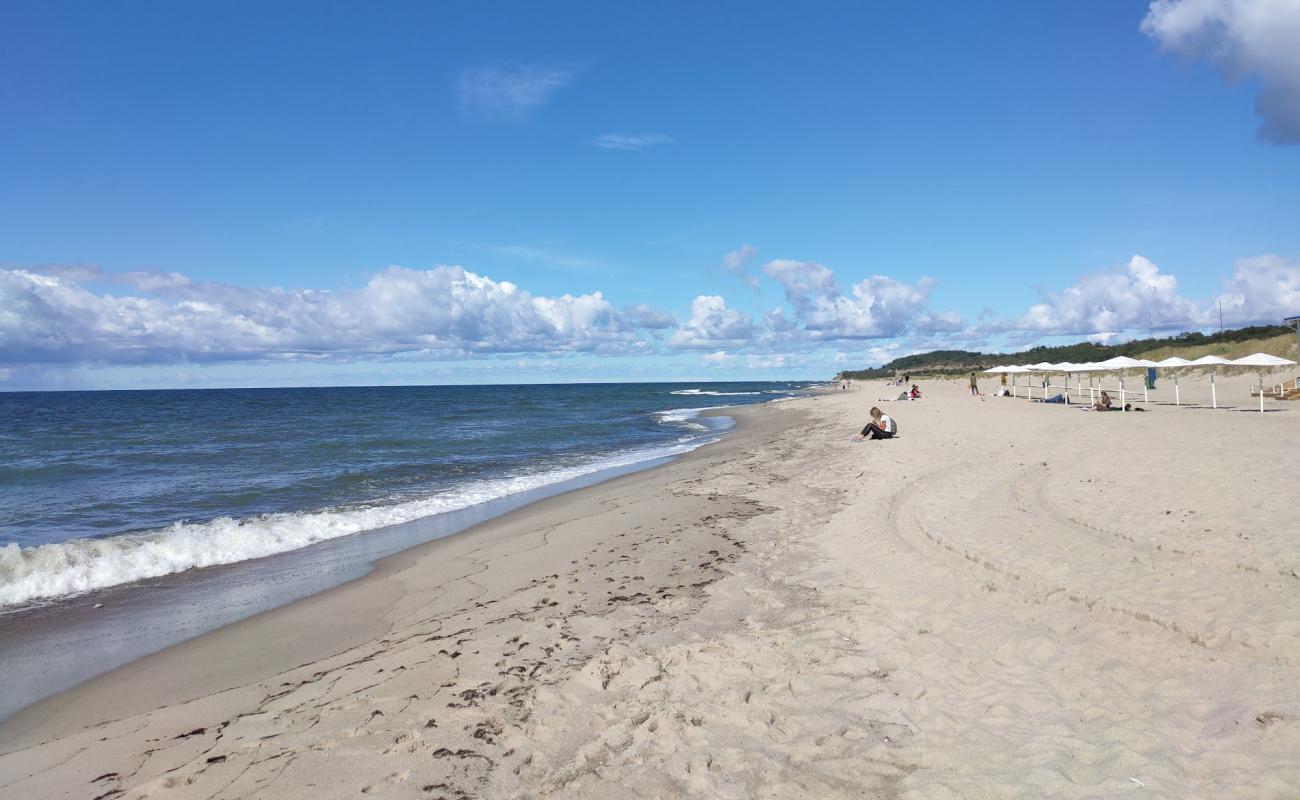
(1010, 600)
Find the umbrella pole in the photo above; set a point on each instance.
(1177, 401)
(1214, 396)
(1261, 393)
(1121, 392)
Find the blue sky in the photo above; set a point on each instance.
(1002, 168)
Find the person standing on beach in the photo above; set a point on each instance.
(974, 386)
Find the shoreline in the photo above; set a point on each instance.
(126, 622)
(1006, 600)
(357, 610)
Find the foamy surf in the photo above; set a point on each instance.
(77, 566)
(710, 393)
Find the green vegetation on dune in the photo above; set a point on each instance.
(1276, 339)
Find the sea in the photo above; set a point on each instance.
(132, 520)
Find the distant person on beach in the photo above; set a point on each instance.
(974, 385)
(915, 394)
(1004, 380)
(1103, 404)
(881, 426)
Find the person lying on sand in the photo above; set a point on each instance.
(881, 426)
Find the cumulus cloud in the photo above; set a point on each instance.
(713, 325)
(737, 261)
(644, 316)
(1261, 289)
(1242, 39)
(939, 322)
(718, 359)
(510, 94)
(877, 307)
(631, 141)
(446, 311)
(1137, 296)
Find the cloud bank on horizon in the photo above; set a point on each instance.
(63, 315)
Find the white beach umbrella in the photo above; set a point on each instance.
(1211, 361)
(1261, 361)
(1121, 363)
(1124, 362)
(1013, 370)
(1069, 369)
(1174, 362)
(1087, 367)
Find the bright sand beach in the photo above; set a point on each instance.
(1009, 600)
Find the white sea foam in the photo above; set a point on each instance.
(81, 565)
(686, 417)
(710, 393)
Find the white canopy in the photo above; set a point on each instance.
(1174, 362)
(998, 369)
(1124, 362)
(1261, 360)
(1211, 361)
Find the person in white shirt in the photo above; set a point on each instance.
(880, 426)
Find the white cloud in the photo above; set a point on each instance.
(940, 322)
(643, 316)
(737, 261)
(878, 307)
(510, 94)
(631, 141)
(1242, 39)
(445, 312)
(1139, 297)
(1136, 297)
(769, 361)
(712, 325)
(1261, 290)
(718, 359)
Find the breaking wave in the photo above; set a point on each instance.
(81, 565)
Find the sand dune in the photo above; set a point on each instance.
(1010, 600)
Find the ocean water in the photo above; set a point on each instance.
(103, 489)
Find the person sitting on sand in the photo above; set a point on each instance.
(1103, 404)
(880, 426)
(915, 394)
